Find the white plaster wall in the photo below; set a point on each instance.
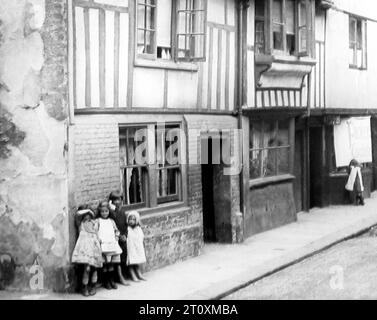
(366, 8)
(148, 88)
(33, 177)
(182, 89)
(346, 87)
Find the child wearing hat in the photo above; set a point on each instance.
(87, 251)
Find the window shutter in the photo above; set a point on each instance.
(304, 27)
(364, 32)
(146, 27)
(190, 30)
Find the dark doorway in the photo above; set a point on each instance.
(316, 166)
(298, 171)
(216, 188)
(209, 225)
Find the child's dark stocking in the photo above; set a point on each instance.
(85, 281)
(120, 275)
(138, 273)
(133, 274)
(361, 199)
(106, 281)
(92, 289)
(111, 277)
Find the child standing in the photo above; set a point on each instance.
(355, 183)
(120, 218)
(109, 236)
(135, 246)
(87, 251)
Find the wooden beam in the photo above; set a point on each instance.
(102, 58)
(88, 91)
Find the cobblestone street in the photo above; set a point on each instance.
(345, 271)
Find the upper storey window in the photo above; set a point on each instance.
(284, 27)
(171, 29)
(357, 43)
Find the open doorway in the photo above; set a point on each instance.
(209, 225)
(316, 168)
(216, 188)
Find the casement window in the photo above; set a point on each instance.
(134, 173)
(171, 29)
(150, 165)
(357, 43)
(269, 149)
(169, 168)
(284, 27)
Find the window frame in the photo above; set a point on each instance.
(152, 168)
(152, 55)
(162, 199)
(268, 29)
(123, 167)
(355, 43)
(290, 147)
(174, 34)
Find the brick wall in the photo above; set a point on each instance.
(96, 162)
(170, 235)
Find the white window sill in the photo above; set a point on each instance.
(166, 64)
(353, 67)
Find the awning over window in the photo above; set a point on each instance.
(284, 75)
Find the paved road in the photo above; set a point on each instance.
(345, 271)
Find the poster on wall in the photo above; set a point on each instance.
(352, 140)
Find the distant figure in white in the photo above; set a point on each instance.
(355, 183)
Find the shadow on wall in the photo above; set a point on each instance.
(9, 134)
(7, 270)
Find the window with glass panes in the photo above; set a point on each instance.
(357, 42)
(133, 170)
(284, 27)
(168, 164)
(269, 148)
(150, 165)
(171, 29)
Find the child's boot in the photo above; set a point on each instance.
(111, 281)
(92, 289)
(85, 291)
(106, 281)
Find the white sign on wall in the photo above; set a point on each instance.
(352, 140)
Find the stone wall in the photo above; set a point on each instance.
(33, 149)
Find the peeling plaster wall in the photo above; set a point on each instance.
(33, 139)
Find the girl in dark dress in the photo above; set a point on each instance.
(355, 183)
(120, 218)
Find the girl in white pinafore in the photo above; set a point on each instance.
(135, 246)
(108, 234)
